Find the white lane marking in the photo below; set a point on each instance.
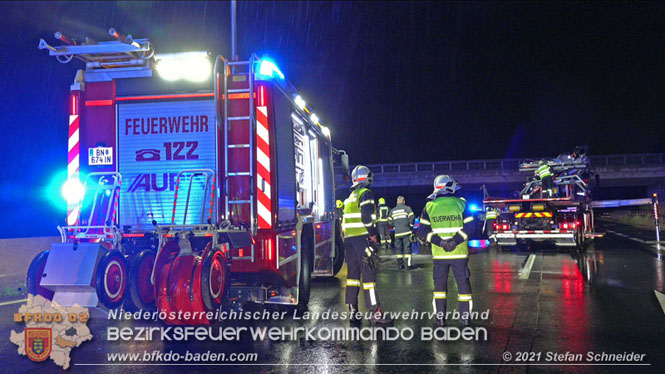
(656, 246)
(526, 271)
(13, 302)
(661, 299)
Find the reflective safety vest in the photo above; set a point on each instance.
(544, 171)
(352, 223)
(383, 213)
(491, 214)
(446, 219)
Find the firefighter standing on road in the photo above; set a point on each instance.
(382, 224)
(544, 172)
(491, 214)
(339, 209)
(401, 218)
(442, 224)
(359, 240)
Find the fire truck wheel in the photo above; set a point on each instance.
(214, 279)
(579, 240)
(141, 290)
(305, 273)
(35, 275)
(111, 279)
(338, 260)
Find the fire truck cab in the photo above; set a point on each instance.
(207, 182)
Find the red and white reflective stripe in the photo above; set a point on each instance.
(263, 190)
(73, 162)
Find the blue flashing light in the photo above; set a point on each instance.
(72, 191)
(474, 208)
(267, 68)
(479, 243)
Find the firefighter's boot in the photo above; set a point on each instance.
(354, 314)
(379, 318)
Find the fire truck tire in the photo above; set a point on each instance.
(141, 290)
(579, 240)
(338, 260)
(214, 279)
(111, 279)
(305, 273)
(35, 275)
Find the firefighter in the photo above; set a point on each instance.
(339, 209)
(442, 224)
(360, 243)
(491, 214)
(401, 218)
(544, 172)
(382, 224)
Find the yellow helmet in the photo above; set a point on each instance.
(339, 204)
(382, 200)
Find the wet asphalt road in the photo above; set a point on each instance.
(599, 301)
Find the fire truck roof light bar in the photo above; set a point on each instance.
(267, 68)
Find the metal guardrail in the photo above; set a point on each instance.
(646, 160)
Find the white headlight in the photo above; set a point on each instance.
(193, 66)
(314, 118)
(72, 191)
(169, 69)
(300, 102)
(197, 69)
(325, 131)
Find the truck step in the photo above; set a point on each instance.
(239, 201)
(239, 90)
(241, 118)
(238, 145)
(240, 174)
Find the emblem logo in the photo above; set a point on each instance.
(38, 343)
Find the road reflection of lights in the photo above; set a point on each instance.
(373, 353)
(287, 354)
(501, 272)
(439, 352)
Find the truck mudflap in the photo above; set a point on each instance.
(71, 272)
(560, 237)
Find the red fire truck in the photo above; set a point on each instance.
(565, 219)
(204, 181)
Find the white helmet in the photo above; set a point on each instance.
(361, 176)
(444, 185)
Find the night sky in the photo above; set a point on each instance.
(395, 82)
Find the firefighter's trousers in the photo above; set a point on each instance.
(384, 234)
(354, 252)
(403, 247)
(489, 227)
(548, 187)
(462, 274)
